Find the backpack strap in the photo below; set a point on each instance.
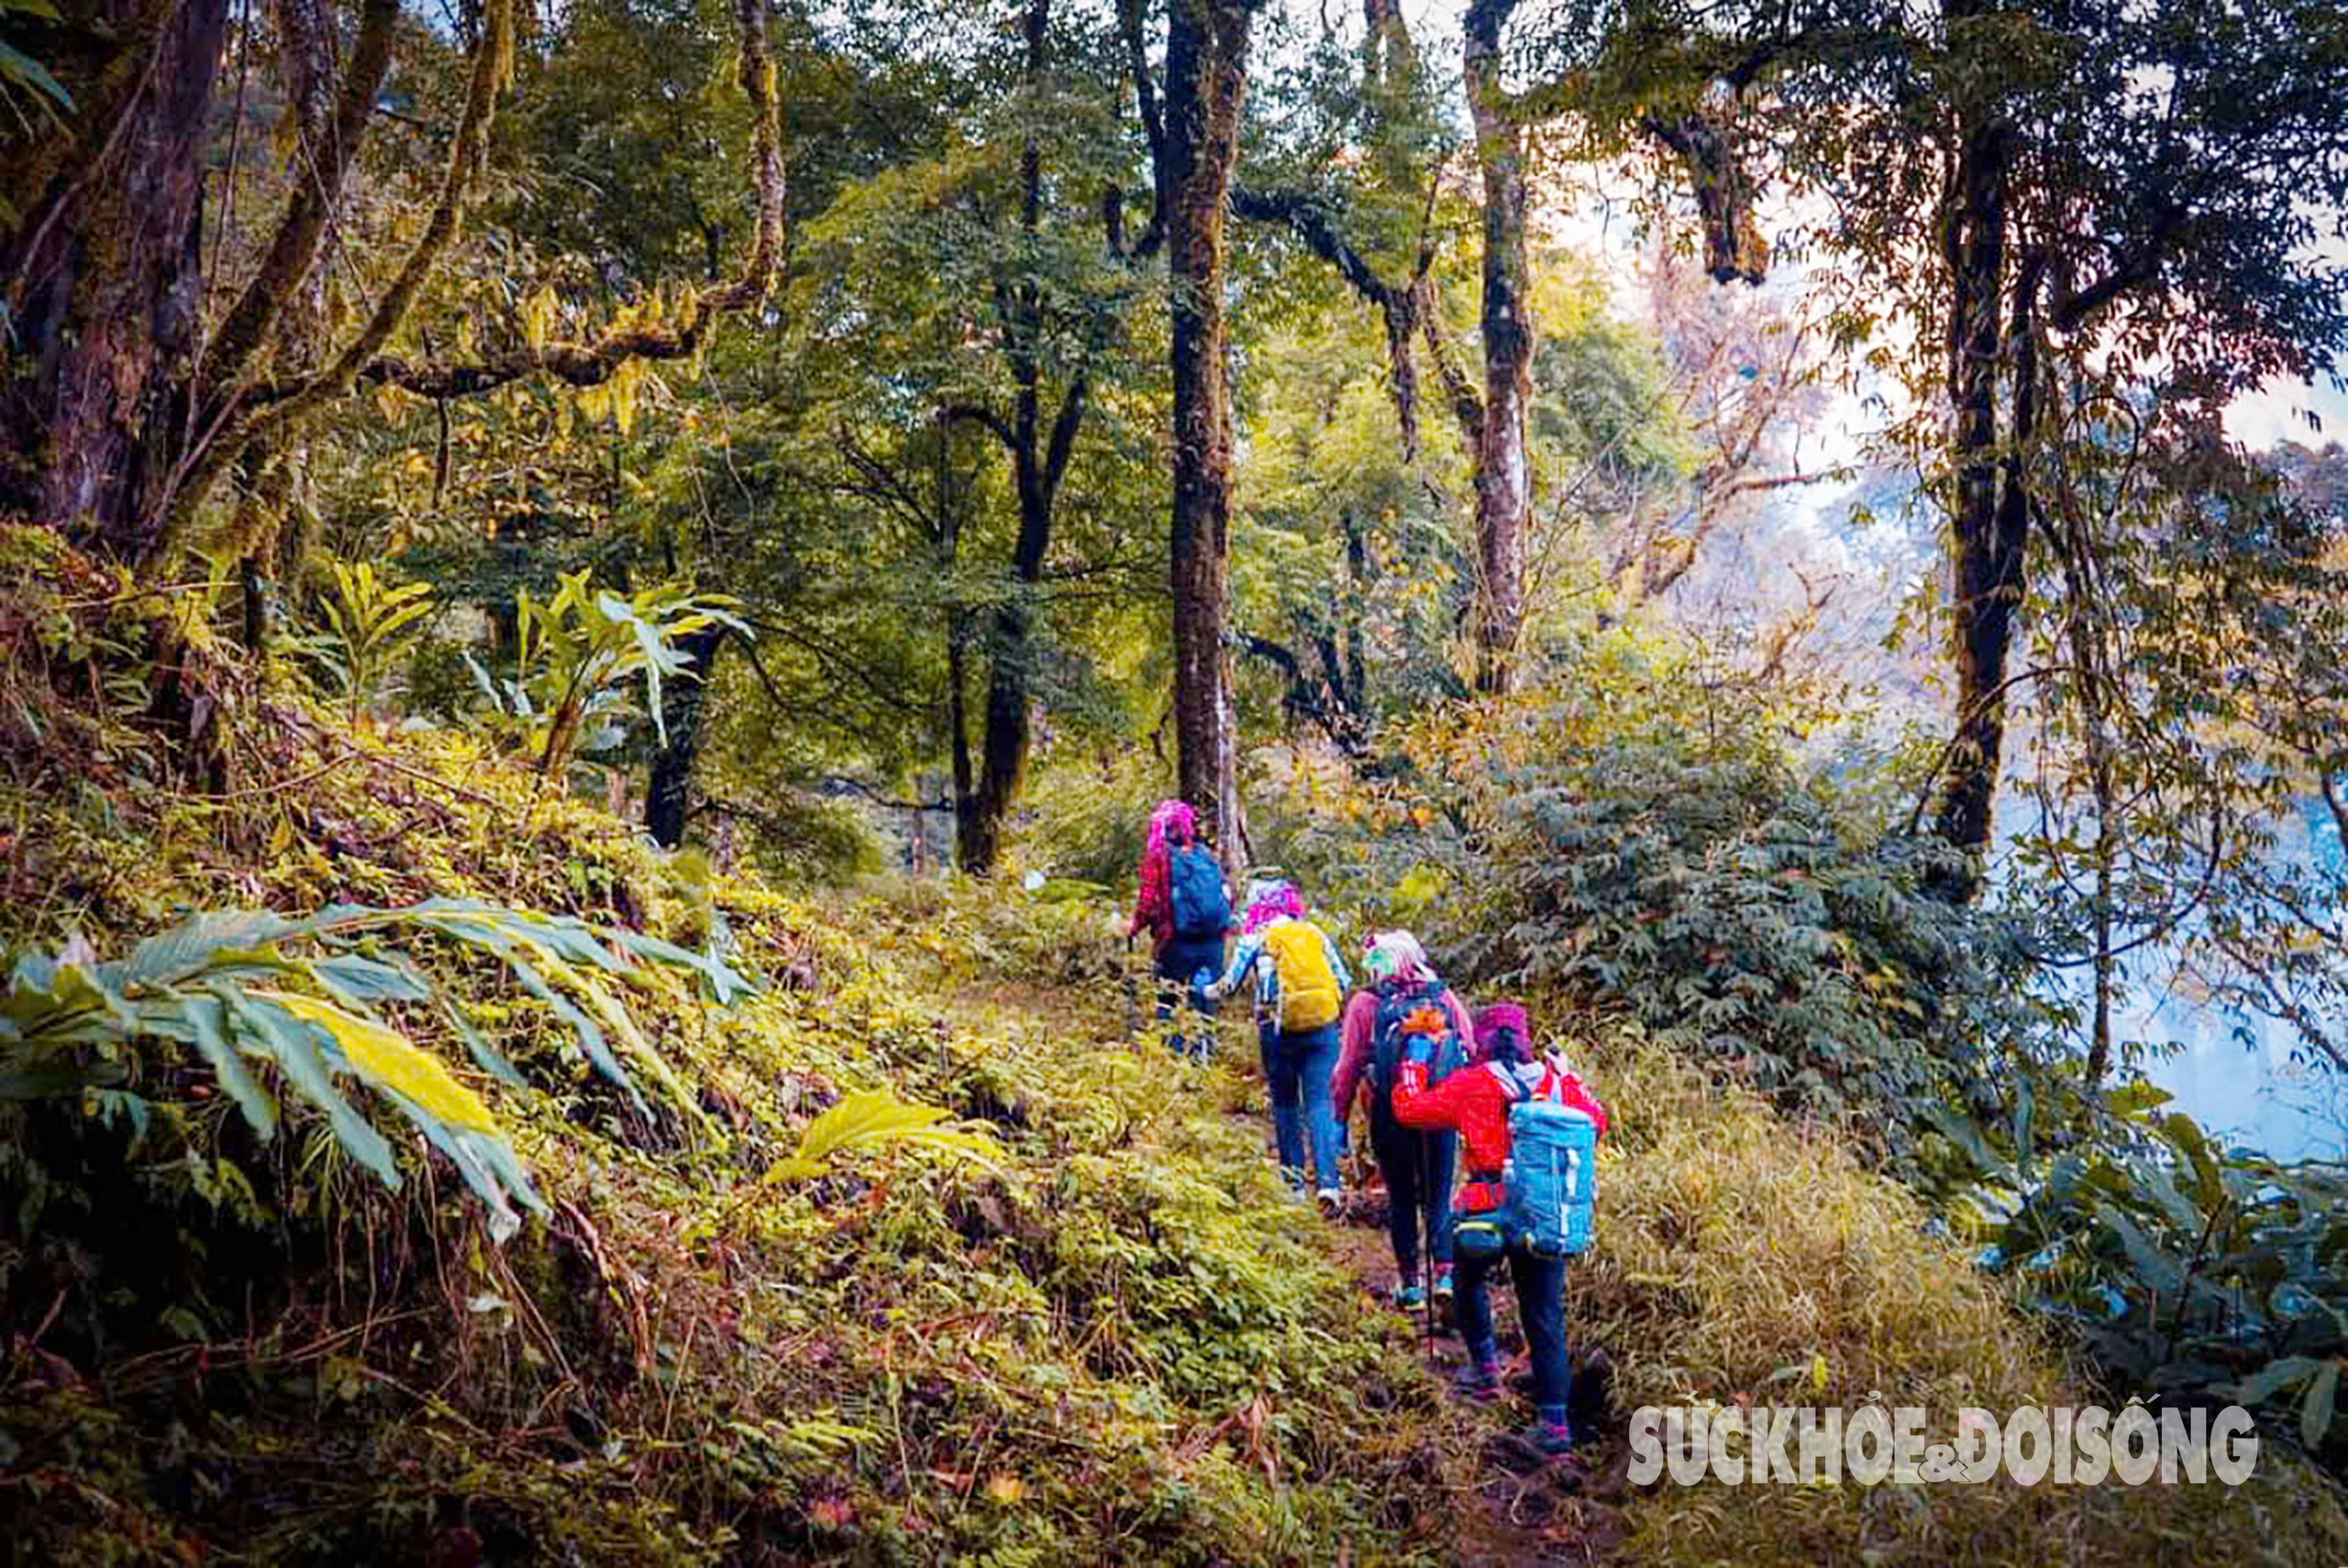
(1507, 1081)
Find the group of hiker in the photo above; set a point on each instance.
(1448, 1092)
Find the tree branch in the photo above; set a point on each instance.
(295, 248)
(973, 413)
(1152, 124)
(579, 364)
(1310, 221)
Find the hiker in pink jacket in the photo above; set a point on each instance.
(1417, 1166)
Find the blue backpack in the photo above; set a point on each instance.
(1397, 1000)
(1195, 888)
(1551, 1177)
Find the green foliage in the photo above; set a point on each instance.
(217, 984)
(1744, 1256)
(24, 81)
(1088, 819)
(2189, 1270)
(370, 625)
(1725, 904)
(576, 653)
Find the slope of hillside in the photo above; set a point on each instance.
(1102, 1336)
(1112, 1338)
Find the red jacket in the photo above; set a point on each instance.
(1155, 907)
(1473, 1103)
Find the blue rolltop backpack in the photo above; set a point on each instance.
(1195, 888)
(1551, 1177)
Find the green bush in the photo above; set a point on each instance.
(1745, 921)
(1088, 819)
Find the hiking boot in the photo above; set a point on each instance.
(1331, 1201)
(1554, 1440)
(1478, 1382)
(1409, 1297)
(1443, 1282)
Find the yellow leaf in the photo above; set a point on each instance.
(385, 1059)
(537, 317)
(623, 386)
(1817, 1371)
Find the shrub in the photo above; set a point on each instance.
(1730, 907)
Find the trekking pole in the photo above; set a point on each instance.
(1426, 1250)
(1133, 992)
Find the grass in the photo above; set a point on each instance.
(1743, 1257)
(1114, 1341)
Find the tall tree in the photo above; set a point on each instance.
(1195, 145)
(2138, 185)
(1039, 449)
(1510, 332)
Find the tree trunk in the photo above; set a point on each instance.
(966, 795)
(1206, 75)
(1503, 473)
(668, 793)
(1038, 462)
(104, 287)
(1990, 518)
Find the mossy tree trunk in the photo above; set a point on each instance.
(104, 290)
(1206, 79)
(1503, 471)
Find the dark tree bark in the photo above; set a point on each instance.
(1707, 148)
(1991, 516)
(1503, 471)
(103, 281)
(1039, 461)
(1206, 79)
(668, 794)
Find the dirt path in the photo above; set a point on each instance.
(1524, 1514)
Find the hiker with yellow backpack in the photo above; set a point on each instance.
(1300, 982)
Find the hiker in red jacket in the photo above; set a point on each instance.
(1173, 864)
(1474, 1103)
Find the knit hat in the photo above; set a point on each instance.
(1502, 1034)
(1397, 956)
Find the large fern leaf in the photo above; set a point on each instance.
(234, 986)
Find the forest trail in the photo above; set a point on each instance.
(1519, 1513)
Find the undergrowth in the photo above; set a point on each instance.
(1104, 1336)
(1112, 1340)
(1744, 1258)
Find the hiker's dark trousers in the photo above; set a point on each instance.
(1417, 1166)
(1540, 1308)
(1181, 957)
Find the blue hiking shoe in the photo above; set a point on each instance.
(1478, 1381)
(1409, 1297)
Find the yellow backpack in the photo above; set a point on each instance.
(1308, 990)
